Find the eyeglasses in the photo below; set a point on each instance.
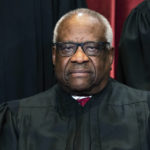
(90, 48)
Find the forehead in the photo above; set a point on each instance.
(81, 28)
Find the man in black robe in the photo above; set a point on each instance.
(112, 117)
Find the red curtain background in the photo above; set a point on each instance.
(116, 11)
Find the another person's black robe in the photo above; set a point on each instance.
(114, 119)
(134, 49)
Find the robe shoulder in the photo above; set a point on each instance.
(24, 106)
(122, 94)
(43, 99)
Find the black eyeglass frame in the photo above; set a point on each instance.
(105, 45)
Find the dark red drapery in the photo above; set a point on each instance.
(116, 11)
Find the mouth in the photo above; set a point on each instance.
(79, 73)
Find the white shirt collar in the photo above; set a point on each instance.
(79, 97)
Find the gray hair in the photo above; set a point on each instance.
(101, 18)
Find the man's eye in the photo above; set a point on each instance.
(90, 48)
(67, 48)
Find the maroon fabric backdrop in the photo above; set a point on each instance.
(116, 11)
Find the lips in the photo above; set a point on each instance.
(79, 73)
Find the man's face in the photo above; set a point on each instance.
(81, 74)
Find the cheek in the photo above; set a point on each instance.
(60, 65)
(100, 67)
(97, 63)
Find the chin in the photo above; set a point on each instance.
(79, 89)
(78, 85)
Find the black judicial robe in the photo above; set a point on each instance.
(114, 119)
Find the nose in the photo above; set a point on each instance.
(79, 56)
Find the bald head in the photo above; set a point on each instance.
(85, 17)
(81, 24)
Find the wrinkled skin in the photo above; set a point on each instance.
(81, 74)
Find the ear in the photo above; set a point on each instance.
(111, 55)
(54, 55)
